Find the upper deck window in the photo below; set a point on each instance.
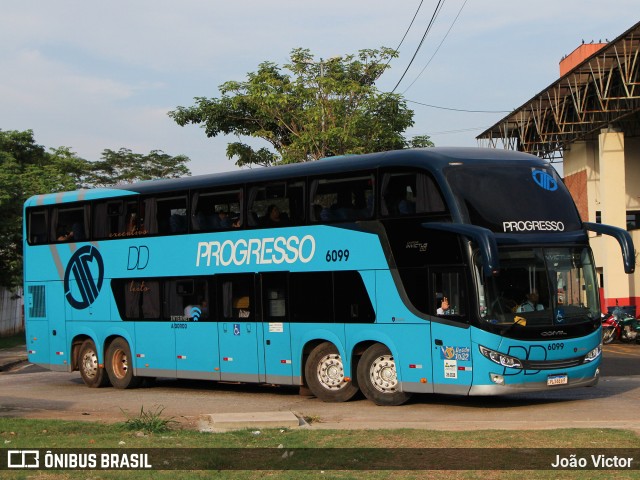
(216, 210)
(69, 224)
(276, 205)
(408, 193)
(513, 199)
(342, 199)
(117, 219)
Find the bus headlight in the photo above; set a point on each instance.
(500, 358)
(593, 354)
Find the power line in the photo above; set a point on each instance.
(461, 130)
(437, 49)
(409, 28)
(458, 109)
(426, 32)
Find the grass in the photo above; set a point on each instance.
(12, 341)
(150, 421)
(25, 433)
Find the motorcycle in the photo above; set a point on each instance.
(619, 325)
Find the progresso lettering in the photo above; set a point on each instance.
(256, 251)
(533, 226)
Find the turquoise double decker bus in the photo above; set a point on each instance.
(456, 271)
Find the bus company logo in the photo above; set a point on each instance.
(544, 180)
(80, 269)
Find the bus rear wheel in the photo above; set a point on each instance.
(119, 365)
(324, 372)
(93, 375)
(378, 377)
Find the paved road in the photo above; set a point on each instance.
(31, 392)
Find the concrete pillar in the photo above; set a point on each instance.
(613, 203)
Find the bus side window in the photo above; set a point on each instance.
(342, 199)
(352, 302)
(216, 210)
(449, 294)
(37, 227)
(276, 205)
(170, 215)
(186, 300)
(312, 297)
(237, 295)
(275, 296)
(137, 299)
(407, 193)
(69, 224)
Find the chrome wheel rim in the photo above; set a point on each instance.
(330, 372)
(90, 364)
(383, 374)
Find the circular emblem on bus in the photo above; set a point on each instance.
(87, 269)
(544, 180)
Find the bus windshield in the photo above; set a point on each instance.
(493, 202)
(541, 287)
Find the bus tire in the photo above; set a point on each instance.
(92, 374)
(119, 365)
(325, 376)
(377, 377)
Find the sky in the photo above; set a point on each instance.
(96, 75)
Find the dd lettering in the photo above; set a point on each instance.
(138, 258)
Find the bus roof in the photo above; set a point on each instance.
(432, 159)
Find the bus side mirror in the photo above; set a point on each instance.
(623, 238)
(482, 237)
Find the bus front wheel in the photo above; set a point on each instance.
(378, 378)
(93, 375)
(119, 365)
(324, 372)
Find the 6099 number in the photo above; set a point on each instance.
(337, 255)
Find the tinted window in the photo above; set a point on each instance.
(276, 205)
(69, 224)
(342, 199)
(186, 300)
(117, 219)
(37, 227)
(216, 210)
(351, 300)
(514, 199)
(137, 299)
(236, 297)
(312, 297)
(408, 193)
(275, 294)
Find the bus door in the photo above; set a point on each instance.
(155, 345)
(238, 329)
(187, 304)
(450, 332)
(276, 328)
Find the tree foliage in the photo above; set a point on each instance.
(316, 109)
(28, 169)
(125, 166)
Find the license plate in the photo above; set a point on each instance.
(557, 380)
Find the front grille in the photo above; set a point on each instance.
(552, 364)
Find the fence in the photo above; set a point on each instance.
(11, 318)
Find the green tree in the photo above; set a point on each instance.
(28, 169)
(125, 166)
(321, 108)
